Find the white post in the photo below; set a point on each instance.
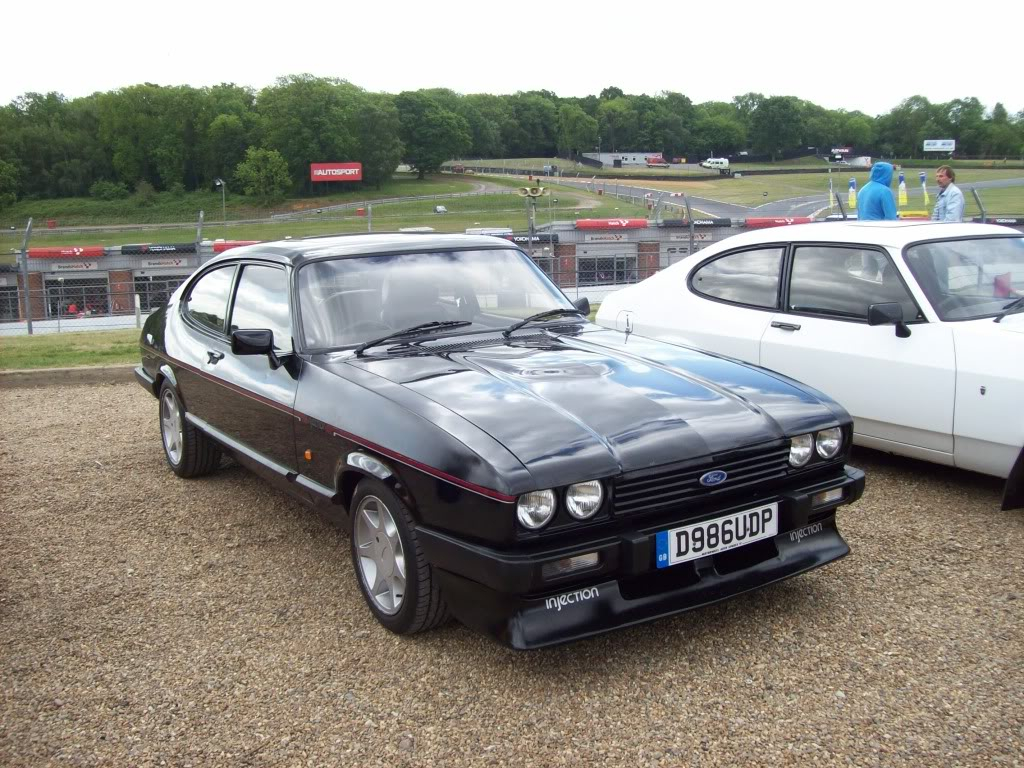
(138, 311)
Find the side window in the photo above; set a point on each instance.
(208, 300)
(261, 301)
(746, 277)
(844, 282)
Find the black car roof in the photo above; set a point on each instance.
(297, 252)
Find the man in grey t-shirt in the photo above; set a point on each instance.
(950, 205)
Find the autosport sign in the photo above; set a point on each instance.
(336, 171)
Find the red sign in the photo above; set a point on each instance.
(68, 252)
(336, 171)
(226, 245)
(611, 224)
(764, 223)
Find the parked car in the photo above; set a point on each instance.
(492, 453)
(916, 328)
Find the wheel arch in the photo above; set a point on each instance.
(360, 464)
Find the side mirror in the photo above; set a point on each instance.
(889, 313)
(582, 304)
(258, 341)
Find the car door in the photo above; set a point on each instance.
(900, 391)
(724, 307)
(203, 343)
(258, 399)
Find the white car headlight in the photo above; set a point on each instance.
(800, 448)
(584, 499)
(828, 442)
(535, 509)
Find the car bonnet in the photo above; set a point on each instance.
(597, 404)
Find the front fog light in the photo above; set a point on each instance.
(800, 448)
(821, 498)
(828, 442)
(584, 499)
(535, 509)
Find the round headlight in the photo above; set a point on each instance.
(584, 499)
(828, 442)
(800, 448)
(535, 509)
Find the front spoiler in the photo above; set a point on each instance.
(506, 594)
(583, 611)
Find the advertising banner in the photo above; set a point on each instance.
(611, 224)
(74, 266)
(68, 252)
(141, 249)
(940, 145)
(697, 223)
(225, 245)
(540, 237)
(336, 171)
(762, 223)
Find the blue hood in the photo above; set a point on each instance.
(882, 173)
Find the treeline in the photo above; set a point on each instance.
(148, 138)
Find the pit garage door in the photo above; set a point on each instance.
(606, 263)
(77, 295)
(154, 286)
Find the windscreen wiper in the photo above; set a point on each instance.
(434, 325)
(1010, 308)
(540, 316)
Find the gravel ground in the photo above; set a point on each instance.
(147, 620)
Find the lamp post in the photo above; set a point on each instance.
(599, 149)
(223, 205)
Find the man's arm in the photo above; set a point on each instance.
(955, 206)
(889, 206)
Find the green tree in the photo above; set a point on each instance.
(307, 120)
(377, 128)
(618, 124)
(263, 175)
(8, 184)
(777, 125)
(430, 133)
(577, 131)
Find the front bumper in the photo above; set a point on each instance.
(508, 595)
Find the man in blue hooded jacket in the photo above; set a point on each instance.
(875, 201)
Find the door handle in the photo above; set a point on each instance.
(213, 357)
(785, 326)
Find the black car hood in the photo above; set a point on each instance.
(598, 403)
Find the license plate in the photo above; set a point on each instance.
(690, 542)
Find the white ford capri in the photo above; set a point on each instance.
(916, 328)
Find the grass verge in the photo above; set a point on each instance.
(68, 350)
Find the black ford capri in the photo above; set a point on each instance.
(493, 455)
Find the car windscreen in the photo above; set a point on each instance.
(348, 301)
(970, 278)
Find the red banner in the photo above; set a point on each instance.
(611, 224)
(68, 252)
(764, 223)
(336, 171)
(226, 245)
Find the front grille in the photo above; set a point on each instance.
(679, 484)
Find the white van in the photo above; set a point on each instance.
(493, 231)
(721, 163)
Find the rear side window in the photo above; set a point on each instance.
(844, 282)
(747, 277)
(208, 300)
(261, 301)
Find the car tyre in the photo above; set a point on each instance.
(188, 451)
(397, 582)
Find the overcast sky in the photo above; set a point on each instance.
(867, 56)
